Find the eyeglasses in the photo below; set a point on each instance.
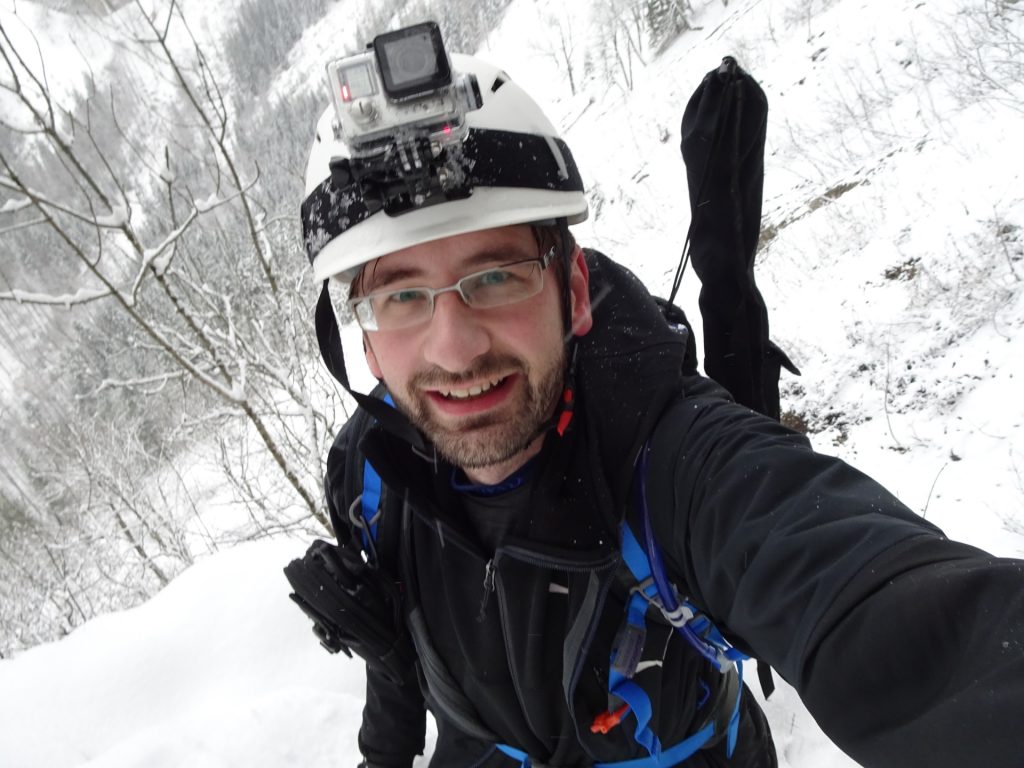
(494, 287)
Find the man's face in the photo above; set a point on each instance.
(478, 382)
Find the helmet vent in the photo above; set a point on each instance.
(498, 82)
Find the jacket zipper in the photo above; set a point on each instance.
(604, 560)
(488, 589)
(608, 561)
(588, 638)
(513, 671)
(600, 562)
(549, 561)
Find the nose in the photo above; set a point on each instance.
(455, 337)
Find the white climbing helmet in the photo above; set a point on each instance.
(517, 171)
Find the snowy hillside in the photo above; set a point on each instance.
(893, 268)
(218, 669)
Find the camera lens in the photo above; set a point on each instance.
(412, 61)
(412, 58)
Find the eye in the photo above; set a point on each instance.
(494, 277)
(405, 296)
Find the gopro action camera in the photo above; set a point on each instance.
(401, 92)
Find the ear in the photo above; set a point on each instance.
(579, 294)
(371, 358)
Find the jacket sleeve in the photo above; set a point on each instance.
(906, 647)
(394, 716)
(394, 721)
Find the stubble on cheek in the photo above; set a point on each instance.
(490, 438)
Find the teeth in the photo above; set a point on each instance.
(474, 391)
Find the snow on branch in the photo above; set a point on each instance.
(149, 385)
(15, 205)
(159, 258)
(200, 374)
(214, 201)
(66, 300)
(116, 219)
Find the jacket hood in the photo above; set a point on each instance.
(628, 369)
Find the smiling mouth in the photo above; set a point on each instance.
(470, 392)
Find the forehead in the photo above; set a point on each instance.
(451, 257)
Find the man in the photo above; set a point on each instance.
(537, 388)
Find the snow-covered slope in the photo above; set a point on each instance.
(218, 669)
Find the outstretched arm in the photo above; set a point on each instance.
(907, 648)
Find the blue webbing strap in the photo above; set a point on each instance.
(699, 628)
(698, 631)
(695, 627)
(370, 499)
(670, 757)
(620, 683)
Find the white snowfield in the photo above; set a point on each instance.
(219, 670)
(894, 280)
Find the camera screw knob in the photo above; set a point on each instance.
(364, 111)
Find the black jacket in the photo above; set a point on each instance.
(906, 647)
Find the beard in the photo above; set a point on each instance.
(488, 439)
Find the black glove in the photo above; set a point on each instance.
(354, 607)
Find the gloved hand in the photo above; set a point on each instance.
(355, 607)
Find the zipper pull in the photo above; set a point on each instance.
(488, 589)
(605, 721)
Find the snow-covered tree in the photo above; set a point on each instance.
(142, 233)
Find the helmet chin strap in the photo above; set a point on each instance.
(566, 405)
(566, 255)
(328, 335)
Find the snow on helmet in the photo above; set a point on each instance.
(515, 170)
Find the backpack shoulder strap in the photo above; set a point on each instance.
(641, 554)
(366, 509)
(358, 510)
(696, 627)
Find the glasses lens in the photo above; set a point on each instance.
(363, 311)
(400, 309)
(503, 285)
